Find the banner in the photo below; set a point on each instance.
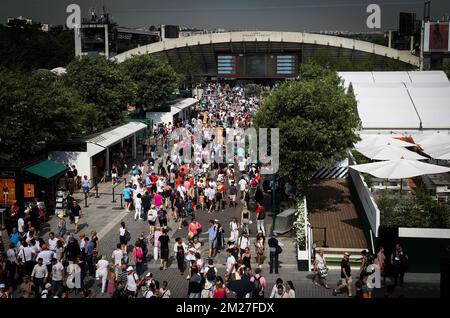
(437, 37)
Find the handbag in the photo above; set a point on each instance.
(279, 250)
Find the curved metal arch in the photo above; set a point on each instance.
(272, 37)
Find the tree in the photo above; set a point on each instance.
(189, 70)
(154, 78)
(31, 49)
(102, 82)
(317, 122)
(37, 109)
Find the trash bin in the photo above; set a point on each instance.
(284, 221)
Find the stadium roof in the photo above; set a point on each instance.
(204, 48)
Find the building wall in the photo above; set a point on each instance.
(370, 208)
(81, 160)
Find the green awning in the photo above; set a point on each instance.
(47, 169)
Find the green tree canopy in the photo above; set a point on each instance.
(36, 109)
(102, 82)
(316, 118)
(154, 78)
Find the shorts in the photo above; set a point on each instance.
(114, 175)
(123, 240)
(213, 244)
(165, 254)
(76, 219)
(128, 200)
(345, 281)
(152, 223)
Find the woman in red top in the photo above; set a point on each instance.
(219, 291)
(193, 228)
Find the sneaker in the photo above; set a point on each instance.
(188, 277)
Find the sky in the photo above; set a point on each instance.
(268, 15)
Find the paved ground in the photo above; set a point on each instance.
(104, 216)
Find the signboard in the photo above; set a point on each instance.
(28, 190)
(8, 187)
(437, 37)
(254, 65)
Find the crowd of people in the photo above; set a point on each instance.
(166, 186)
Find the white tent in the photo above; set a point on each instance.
(431, 140)
(380, 140)
(389, 152)
(439, 151)
(399, 169)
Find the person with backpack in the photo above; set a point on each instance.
(152, 215)
(210, 272)
(275, 251)
(124, 237)
(162, 217)
(260, 284)
(138, 255)
(190, 207)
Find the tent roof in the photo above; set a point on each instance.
(385, 106)
(113, 136)
(47, 169)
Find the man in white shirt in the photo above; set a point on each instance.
(26, 255)
(46, 256)
(57, 275)
(132, 279)
(52, 242)
(20, 225)
(242, 186)
(102, 272)
(39, 275)
(117, 256)
(231, 268)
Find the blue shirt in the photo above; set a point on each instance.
(89, 248)
(127, 193)
(212, 233)
(14, 238)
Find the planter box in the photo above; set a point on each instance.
(303, 261)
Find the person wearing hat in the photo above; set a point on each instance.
(26, 289)
(46, 292)
(132, 282)
(207, 291)
(346, 277)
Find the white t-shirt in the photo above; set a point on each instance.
(52, 244)
(131, 282)
(117, 256)
(241, 165)
(122, 231)
(57, 272)
(231, 261)
(46, 256)
(102, 265)
(242, 184)
(20, 225)
(152, 214)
